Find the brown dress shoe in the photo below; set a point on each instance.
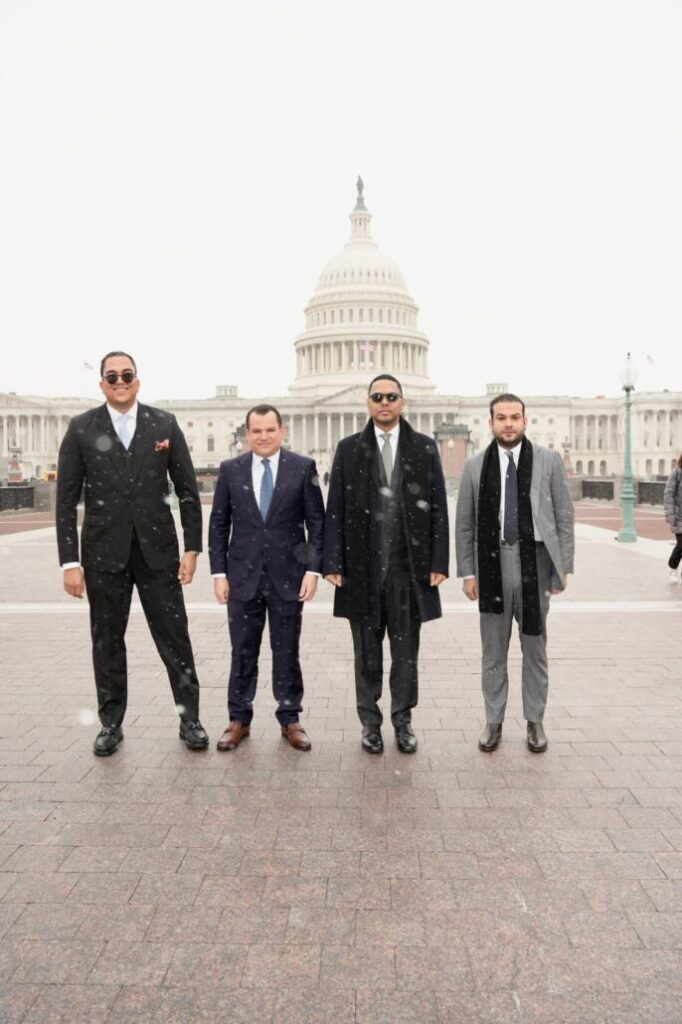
(233, 735)
(297, 736)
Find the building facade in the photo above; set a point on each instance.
(360, 320)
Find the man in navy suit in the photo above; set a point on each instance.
(262, 559)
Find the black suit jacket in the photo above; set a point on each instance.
(241, 545)
(352, 538)
(125, 491)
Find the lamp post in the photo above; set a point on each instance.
(627, 495)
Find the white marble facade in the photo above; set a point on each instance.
(361, 320)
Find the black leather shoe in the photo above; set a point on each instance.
(535, 738)
(490, 737)
(194, 735)
(371, 739)
(107, 740)
(405, 738)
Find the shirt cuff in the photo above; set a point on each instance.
(71, 565)
(219, 575)
(310, 572)
(468, 577)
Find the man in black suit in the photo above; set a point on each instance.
(386, 551)
(262, 561)
(120, 456)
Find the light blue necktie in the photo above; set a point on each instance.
(265, 489)
(125, 430)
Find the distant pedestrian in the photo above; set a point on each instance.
(672, 508)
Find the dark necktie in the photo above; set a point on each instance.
(265, 489)
(387, 456)
(511, 503)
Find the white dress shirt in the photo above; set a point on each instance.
(115, 417)
(393, 434)
(504, 462)
(257, 471)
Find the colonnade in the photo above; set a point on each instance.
(326, 356)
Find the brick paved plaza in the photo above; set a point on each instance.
(268, 886)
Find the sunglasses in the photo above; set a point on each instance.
(390, 396)
(127, 376)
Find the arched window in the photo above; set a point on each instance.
(210, 443)
(590, 468)
(579, 467)
(602, 468)
(648, 466)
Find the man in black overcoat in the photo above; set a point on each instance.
(120, 457)
(386, 551)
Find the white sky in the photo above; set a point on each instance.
(175, 175)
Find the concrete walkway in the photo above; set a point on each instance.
(263, 886)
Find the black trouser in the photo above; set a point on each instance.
(398, 617)
(246, 620)
(109, 594)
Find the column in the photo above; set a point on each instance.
(329, 431)
(292, 440)
(304, 434)
(316, 433)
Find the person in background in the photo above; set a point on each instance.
(672, 509)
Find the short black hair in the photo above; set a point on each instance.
(508, 397)
(110, 355)
(263, 410)
(385, 376)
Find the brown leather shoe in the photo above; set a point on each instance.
(297, 736)
(233, 735)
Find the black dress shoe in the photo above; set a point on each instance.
(535, 738)
(405, 738)
(490, 737)
(194, 735)
(371, 739)
(107, 740)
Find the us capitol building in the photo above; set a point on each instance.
(360, 320)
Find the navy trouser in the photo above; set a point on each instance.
(246, 620)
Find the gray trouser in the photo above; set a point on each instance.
(496, 633)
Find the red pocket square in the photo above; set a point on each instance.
(162, 446)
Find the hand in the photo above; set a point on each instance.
(559, 590)
(436, 578)
(74, 582)
(469, 588)
(188, 566)
(221, 589)
(308, 587)
(335, 578)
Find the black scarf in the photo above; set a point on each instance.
(489, 569)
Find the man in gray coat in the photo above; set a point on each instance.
(514, 539)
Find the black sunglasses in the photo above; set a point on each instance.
(127, 376)
(390, 396)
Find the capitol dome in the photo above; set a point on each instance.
(360, 321)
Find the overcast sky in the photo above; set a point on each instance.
(175, 175)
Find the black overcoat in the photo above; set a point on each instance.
(352, 539)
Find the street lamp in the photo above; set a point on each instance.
(628, 376)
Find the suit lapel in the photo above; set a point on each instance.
(535, 482)
(141, 440)
(245, 473)
(115, 449)
(283, 478)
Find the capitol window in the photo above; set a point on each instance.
(361, 314)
